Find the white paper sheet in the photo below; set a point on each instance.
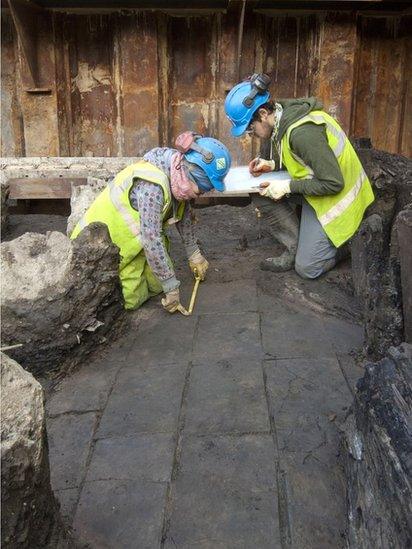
(240, 180)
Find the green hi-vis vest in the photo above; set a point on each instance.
(340, 214)
(113, 208)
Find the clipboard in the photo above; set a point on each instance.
(239, 182)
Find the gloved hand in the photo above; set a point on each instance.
(276, 189)
(171, 301)
(258, 166)
(198, 262)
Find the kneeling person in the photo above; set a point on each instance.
(327, 176)
(147, 196)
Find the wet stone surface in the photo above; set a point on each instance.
(219, 430)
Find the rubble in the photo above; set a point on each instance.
(375, 252)
(82, 197)
(378, 455)
(60, 298)
(30, 513)
(38, 167)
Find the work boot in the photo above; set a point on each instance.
(280, 263)
(283, 225)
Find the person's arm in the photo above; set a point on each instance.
(310, 143)
(197, 262)
(185, 229)
(148, 199)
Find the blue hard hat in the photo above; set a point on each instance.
(214, 159)
(239, 110)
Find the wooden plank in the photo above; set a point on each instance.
(25, 16)
(381, 96)
(405, 239)
(39, 110)
(94, 108)
(35, 189)
(376, 454)
(137, 87)
(123, 83)
(387, 112)
(63, 83)
(405, 134)
(224, 194)
(226, 78)
(337, 66)
(189, 42)
(12, 138)
(283, 39)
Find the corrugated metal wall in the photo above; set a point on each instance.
(123, 83)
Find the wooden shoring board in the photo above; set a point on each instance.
(43, 188)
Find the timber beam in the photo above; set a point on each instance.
(26, 16)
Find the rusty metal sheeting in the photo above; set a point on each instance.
(12, 139)
(382, 99)
(24, 16)
(121, 83)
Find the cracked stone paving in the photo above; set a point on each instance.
(219, 430)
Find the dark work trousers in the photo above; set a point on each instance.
(315, 253)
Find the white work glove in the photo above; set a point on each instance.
(198, 262)
(276, 189)
(171, 301)
(259, 165)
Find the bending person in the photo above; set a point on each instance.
(147, 196)
(328, 179)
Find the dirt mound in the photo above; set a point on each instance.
(60, 297)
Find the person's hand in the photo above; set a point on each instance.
(171, 301)
(276, 189)
(258, 166)
(199, 263)
(252, 166)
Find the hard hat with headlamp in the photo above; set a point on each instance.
(244, 100)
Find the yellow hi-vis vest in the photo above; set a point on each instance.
(340, 214)
(113, 208)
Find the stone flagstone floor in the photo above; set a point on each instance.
(214, 431)
(220, 430)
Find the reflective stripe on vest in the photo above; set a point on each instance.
(346, 201)
(116, 192)
(339, 134)
(337, 149)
